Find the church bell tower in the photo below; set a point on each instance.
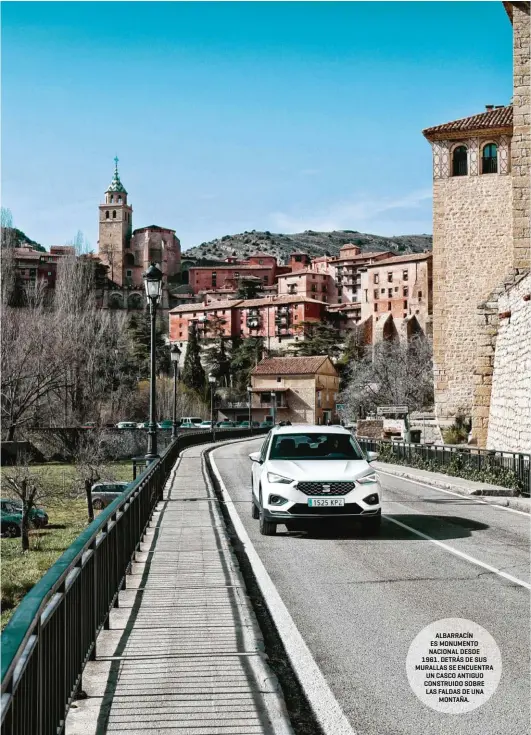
(115, 228)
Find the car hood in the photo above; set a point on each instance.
(338, 470)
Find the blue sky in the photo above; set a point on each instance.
(280, 116)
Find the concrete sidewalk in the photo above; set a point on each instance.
(183, 653)
(486, 492)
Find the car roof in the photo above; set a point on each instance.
(310, 429)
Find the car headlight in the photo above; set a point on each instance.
(367, 479)
(273, 477)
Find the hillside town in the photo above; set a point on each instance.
(264, 483)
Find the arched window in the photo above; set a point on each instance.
(107, 214)
(112, 198)
(119, 200)
(489, 159)
(114, 213)
(460, 161)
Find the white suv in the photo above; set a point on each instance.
(313, 472)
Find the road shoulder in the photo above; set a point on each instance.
(492, 494)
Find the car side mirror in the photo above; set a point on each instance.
(372, 456)
(255, 457)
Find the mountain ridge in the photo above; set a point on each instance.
(315, 244)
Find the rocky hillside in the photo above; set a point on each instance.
(313, 243)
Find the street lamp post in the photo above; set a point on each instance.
(212, 381)
(250, 397)
(175, 355)
(153, 283)
(274, 406)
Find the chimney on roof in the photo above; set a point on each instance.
(489, 107)
(498, 107)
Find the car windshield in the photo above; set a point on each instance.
(314, 446)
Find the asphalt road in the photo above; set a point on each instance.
(359, 602)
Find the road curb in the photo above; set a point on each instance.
(326, 709)
(493, 498)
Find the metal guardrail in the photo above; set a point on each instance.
(443, 455)
(53, 632)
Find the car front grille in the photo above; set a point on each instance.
(299, 509)
(332, 488)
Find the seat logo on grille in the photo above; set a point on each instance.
(326, 488)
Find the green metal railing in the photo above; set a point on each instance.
(473, 458)
(53, 632)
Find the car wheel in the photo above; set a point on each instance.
(267, 528)
(371, 526)
(10, 530)
(255, 513)
(97, 504)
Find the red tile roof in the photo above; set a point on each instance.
(289, 365)
(400, 259)
(498, 118)
(279, 301)
(233, 267)
(274, 301)
(188, 308)
(302, 272)
(361, 256)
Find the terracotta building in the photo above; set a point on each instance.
(226, 275)
(276, 319)
(302, 390)
(128, 253)
(306, 282)
(345, 271)
(481, 236)
(35, 266)
(396, 294)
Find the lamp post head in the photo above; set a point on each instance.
(153, 282)
(249, 389)
(211, 379)
(175, 353)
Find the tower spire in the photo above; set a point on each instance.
(116, 184)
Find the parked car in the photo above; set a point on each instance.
(225, 424)
(266, 425)
(189, 425)
(103, 493)
(11, 513)
(313, 473)
(89, 425)
(127, 425)
(245, 425)
(191, 420)
(205, 425)
(166, 424)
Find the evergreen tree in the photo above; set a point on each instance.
(244, 358)
(320, 338)
(193, 374)
(139, 328)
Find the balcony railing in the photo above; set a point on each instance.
(489, 165)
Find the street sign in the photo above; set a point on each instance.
(339, 407)
(385, 410)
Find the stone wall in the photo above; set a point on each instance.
(472, 249)
(509, 426)
(521, 140)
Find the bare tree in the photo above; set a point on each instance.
(394, 375)
(30, 487)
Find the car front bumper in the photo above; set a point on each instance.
(297, 508)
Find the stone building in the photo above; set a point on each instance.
(396, 295)
(481, 236)
(306, 282)
(305, 390)
(128, 253)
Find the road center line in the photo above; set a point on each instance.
(461, 554)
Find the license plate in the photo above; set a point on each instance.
(325, 502)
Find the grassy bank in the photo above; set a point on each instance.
(67, 518)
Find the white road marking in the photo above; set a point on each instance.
(323, 702)
(461, 554)
(457, 495)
